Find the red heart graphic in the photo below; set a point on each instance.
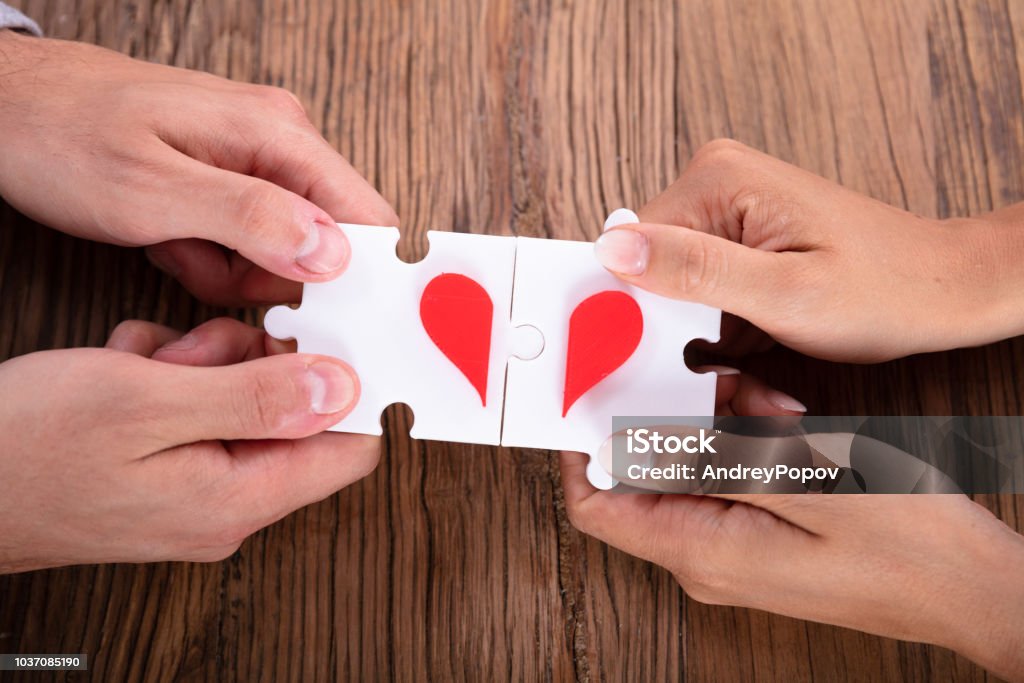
(457, 313)
(604, 331)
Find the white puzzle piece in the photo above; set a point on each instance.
(370, 317)
(552, 278)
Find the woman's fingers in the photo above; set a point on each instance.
(706, 542)
(743, 394)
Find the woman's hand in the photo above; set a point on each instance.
(932, 568)
(110, 148)
(163, 447)
(821, 269)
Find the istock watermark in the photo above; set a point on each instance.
(814, 454)
(645, 440)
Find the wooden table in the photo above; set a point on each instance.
(529, 118)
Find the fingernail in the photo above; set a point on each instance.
(325, 249)
(187, 342)
(620, 217)
(720, 370)
(331, 388)
(162, 260)
(622, 251)
(785, 402)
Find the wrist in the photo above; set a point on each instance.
(981, 275)
(985, 621)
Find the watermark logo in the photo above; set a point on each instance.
(816, 454)
(644, 441)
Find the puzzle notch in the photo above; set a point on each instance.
(526, 342)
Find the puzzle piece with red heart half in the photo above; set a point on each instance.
(515, 341)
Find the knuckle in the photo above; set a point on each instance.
(366, 458)
(699, 265)
(281, 101)
(578, 517)
(258, 208)
(130, 333)
(700, 590)
(718, 174)
(721, 152)
(228, 535)
(262, 403)
(702, 578)
(228, 529)
(224, 328)
(764, 207)
(217, 553)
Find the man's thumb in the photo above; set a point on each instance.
(288, 396)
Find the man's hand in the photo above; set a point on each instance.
(110, 148)
(163, 447)
(822, 269)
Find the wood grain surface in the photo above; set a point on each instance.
(525, 117)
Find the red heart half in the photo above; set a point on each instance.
(457, 314)
(604, 331)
